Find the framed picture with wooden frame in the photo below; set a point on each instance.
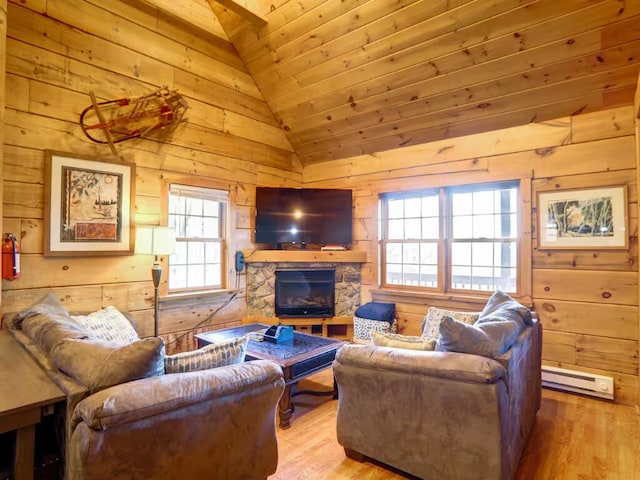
(89, 206)
(588, 218)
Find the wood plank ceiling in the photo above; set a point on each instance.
(349, 77)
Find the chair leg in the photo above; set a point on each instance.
(353, 455)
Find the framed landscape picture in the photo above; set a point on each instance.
(88, 206)
(591, 218)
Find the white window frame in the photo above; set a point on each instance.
(445, 240)
(220, 237)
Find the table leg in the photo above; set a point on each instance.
(285, 407)
(25, 451)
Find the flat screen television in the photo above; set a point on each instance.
(304, 216)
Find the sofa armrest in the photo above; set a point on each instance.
(454, 366)
(523, 365)
(140, 399)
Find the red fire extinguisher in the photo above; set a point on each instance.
(10, 257)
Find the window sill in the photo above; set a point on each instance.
(438, 298)
(196, 297)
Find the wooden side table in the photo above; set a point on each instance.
(27, 394)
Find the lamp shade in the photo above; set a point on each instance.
(155, 240)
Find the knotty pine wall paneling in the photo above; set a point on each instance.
(587, 299)
(636, 114)
(60, 50)
(3, 37)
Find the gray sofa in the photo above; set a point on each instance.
(216, 423)
(440, 415)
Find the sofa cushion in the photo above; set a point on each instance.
(489, 338)
(47, 305)
(227, 352)
(47, 322)
(108, 325)
(431, 322)
(502, 307)
(98, 365)
(47, 330)
(396, 340)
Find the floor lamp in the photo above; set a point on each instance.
(155, 241)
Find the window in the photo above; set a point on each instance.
(198, 218)
(451, 239)
(412, 240)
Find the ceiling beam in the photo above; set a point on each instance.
(247, 9)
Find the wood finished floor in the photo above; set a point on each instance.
(574, 438)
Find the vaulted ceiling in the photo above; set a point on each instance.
(349, 77)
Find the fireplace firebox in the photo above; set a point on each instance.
(305, 293)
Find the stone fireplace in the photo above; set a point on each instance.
(261, 287)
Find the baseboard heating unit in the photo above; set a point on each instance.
(578, 382)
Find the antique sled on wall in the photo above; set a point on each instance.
(114, 121)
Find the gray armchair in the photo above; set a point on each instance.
(124, 418)
(440, 415)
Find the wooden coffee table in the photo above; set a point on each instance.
(304, 356)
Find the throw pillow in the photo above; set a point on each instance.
(402, 341)
(364, 327)
(98, 365)
(489, 339)
(227, 352)
(108, 325)
(431, 322)
(502, 307)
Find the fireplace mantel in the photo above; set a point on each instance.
(306, 256)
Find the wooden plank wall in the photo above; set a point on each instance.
(636, 109)
(587, 299)
(3, 35)
(60, 50)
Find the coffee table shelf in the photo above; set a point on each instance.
(339, 327)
